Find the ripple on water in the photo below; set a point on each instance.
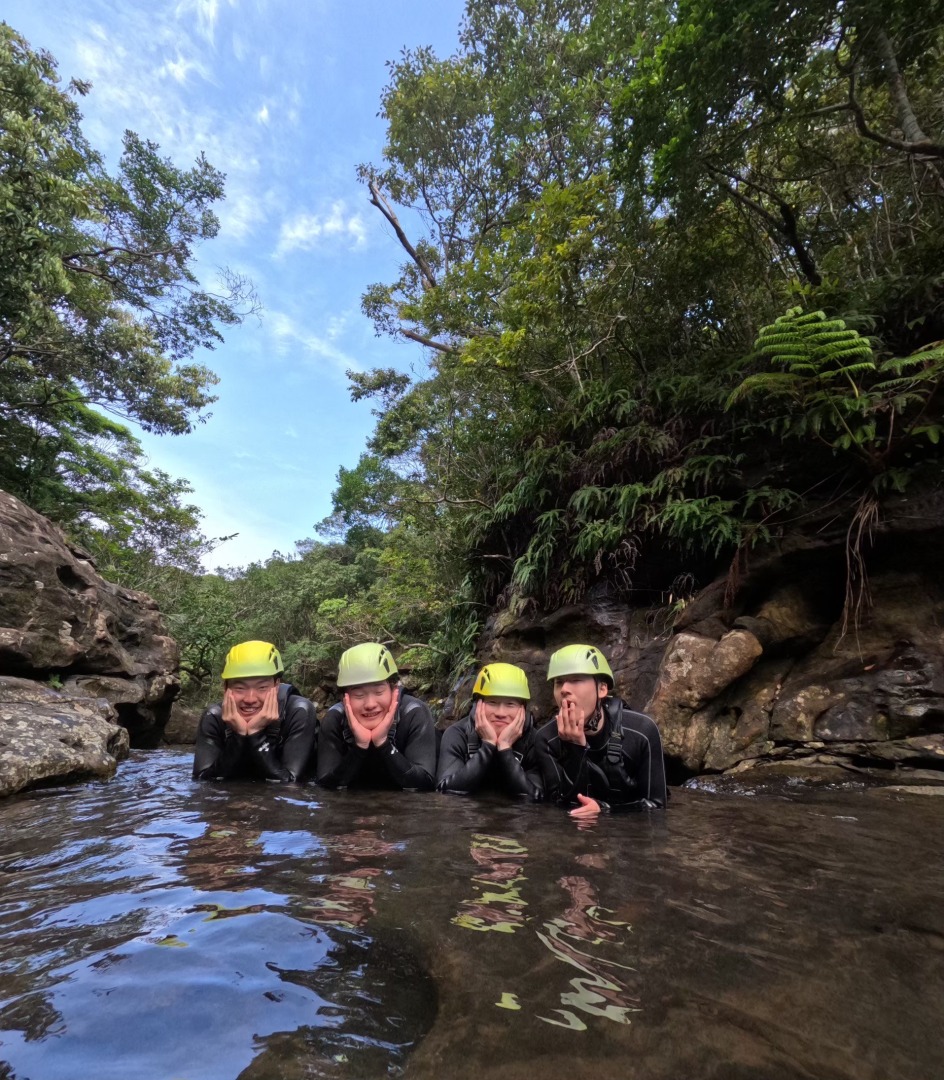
(156, 928)
(203, 996)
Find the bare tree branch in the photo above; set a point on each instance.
(377, 199)
(429, 342)
(924, 147)
(785, 225)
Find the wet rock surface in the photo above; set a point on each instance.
(181, 728)
(60, 619)
(49, 736)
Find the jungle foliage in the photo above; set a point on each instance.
(676, 272)
(100, 317)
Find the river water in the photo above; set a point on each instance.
(159, 929)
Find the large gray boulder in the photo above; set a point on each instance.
(47, 736)
(60, 617)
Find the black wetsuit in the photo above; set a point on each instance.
(406, 760)
(282, 751)
(467, 764)
(621, 766)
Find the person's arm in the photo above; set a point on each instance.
(565, 770)
(299, 735)
(339, 761)
(217, 750)
(645, 764)
(522, 777)
(460, 773)
(281, 750)
(559, 786)
(412, 763)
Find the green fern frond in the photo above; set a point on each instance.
(773, 383)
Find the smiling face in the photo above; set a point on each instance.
(584, 690)
(370, 702)
(249, 694)
(499, 711)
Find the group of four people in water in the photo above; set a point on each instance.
(595, 755)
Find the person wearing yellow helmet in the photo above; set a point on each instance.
(376, 736)
(493, 747)
(263, 728)
(596, 754)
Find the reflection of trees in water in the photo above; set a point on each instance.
(576, 937)
(34, 1015)
(581, 937)
(347, 898)
(499, 906)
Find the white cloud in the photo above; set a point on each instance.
(263, 115)
(206, 12)
(180, 69)
(287, 332)
(240, 212)
(304, 232)
(337, 324)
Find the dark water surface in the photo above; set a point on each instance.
(158, 929)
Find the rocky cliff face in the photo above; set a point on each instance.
(60, 620)
(776, 673)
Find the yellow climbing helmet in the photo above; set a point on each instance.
(502, 681)
(252, 659)
(579, 660)
(367, 663)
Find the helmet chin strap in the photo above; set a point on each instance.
(593, 722)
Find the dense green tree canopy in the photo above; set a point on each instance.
(101, 315)
(675, 269)
(613, 199)
(100, 309)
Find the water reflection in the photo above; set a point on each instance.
(499, 906)
(347, 898)
(582, 937)
(155, 928)
(210, 960)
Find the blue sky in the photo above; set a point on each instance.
(282, 96)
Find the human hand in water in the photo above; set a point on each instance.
(570, 721)
(379, 734)
(268, 714)
(361, 734)
(483, 726)
(512, 731)
(588, 808)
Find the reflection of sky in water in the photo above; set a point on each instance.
(294, 842)
(192, 1003)
(157, 929)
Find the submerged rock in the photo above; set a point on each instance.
(49, 736)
